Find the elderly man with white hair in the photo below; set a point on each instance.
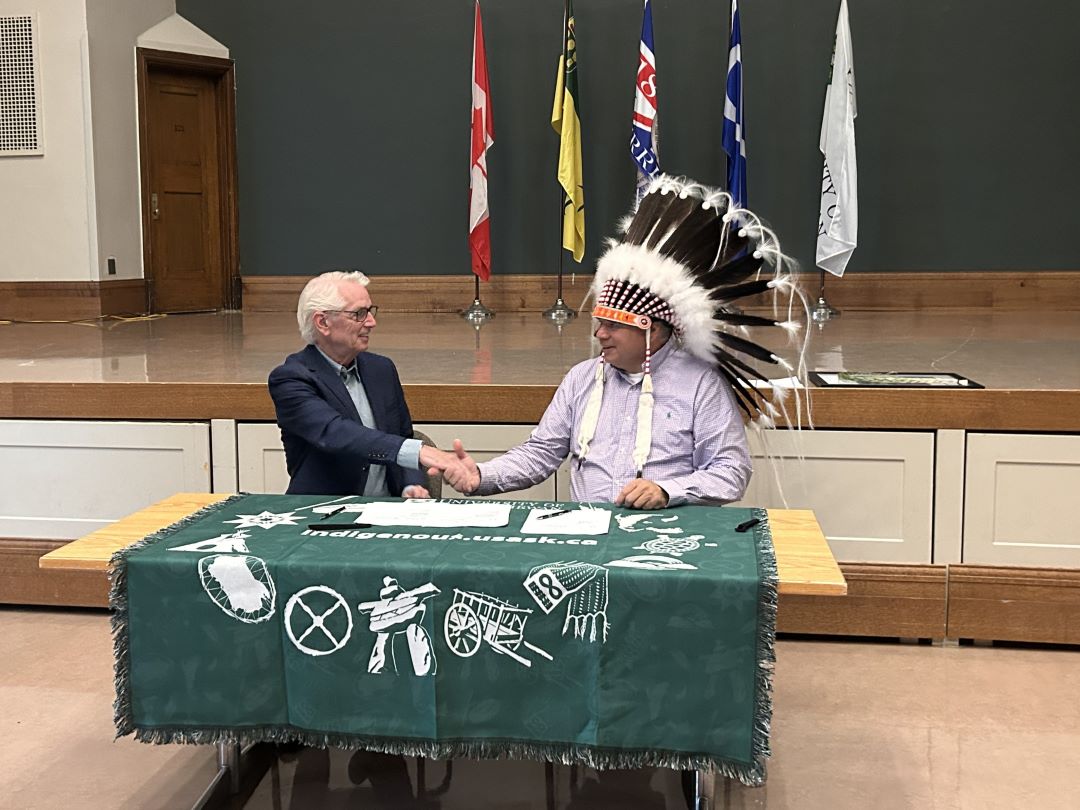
(342, 413)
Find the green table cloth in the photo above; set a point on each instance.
(649, 645)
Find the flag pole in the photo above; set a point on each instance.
(822, 312)
(477, 313)
(482, 138)
(559, 313)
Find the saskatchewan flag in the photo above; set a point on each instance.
(564, 118)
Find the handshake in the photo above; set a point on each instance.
(456, 468)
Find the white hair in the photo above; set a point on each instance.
(323, 294)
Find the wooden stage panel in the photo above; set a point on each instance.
(214, 366)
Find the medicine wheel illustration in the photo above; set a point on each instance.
(676, 546)
(318, 620)
(475, 617)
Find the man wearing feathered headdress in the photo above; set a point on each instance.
(657, 420)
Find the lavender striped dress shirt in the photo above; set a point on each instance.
(698, 454)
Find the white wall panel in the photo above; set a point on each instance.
(1019, 492)
(872, 491)
(260, 461)
(485, 442)
(65, 479)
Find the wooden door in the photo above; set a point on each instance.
(188, 197)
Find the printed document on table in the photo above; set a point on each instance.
(435, 515)
(582, 521)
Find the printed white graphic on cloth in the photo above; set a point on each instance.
(222, 544)
(651, 562)
(436, 514)
(240, 586)
(474, 618)
(265, 520)
(318, 620)
(586, 586)
(629, 523)
(399, 612)
(676, 546)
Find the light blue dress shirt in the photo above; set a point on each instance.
(409, 454)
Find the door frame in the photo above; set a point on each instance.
(222, 71)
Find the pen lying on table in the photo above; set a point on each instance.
(554, 514)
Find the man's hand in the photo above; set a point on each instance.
(465, 476)
(457, 468)
(642, 493)
(415, 491)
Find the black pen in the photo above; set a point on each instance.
(332, 512)
(553, 514)
(746, 525)
(338, 527)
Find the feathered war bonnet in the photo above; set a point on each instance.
(686, 255)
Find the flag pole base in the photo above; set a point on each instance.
(477, 313)
(822, 312)
(559, 313)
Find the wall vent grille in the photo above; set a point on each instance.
(20, 103)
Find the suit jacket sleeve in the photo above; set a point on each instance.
(408, 476)
(303, 411)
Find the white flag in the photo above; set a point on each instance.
(838, 223)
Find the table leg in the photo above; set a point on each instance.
(704, 783)
(229, 763)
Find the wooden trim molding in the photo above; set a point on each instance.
(508, 293)
(1006, 290)
(1005, 603)
(899, 601)
(1031, 290)
(23, 583)
(903, 601)
(70, 300)
(871, 409)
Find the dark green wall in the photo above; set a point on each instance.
(353, 126)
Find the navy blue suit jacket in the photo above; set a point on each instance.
(328, 450)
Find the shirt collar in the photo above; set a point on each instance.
(656, 359)
(334, 364)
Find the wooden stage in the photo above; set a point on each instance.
(214, 366)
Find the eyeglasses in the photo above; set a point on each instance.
(358, 315)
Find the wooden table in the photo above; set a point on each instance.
(805, 564)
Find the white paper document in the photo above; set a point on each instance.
(434, 514)
(577, 521)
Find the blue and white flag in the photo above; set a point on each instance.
(734, 128)
(644, 134)
(838, 217)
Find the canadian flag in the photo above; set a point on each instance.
(483, 136)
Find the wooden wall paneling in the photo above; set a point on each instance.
(880, 409)
(23, 583)
(903, 601)
(504, 293)
(1021, 290)
(1002, 603)
(70, 300)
